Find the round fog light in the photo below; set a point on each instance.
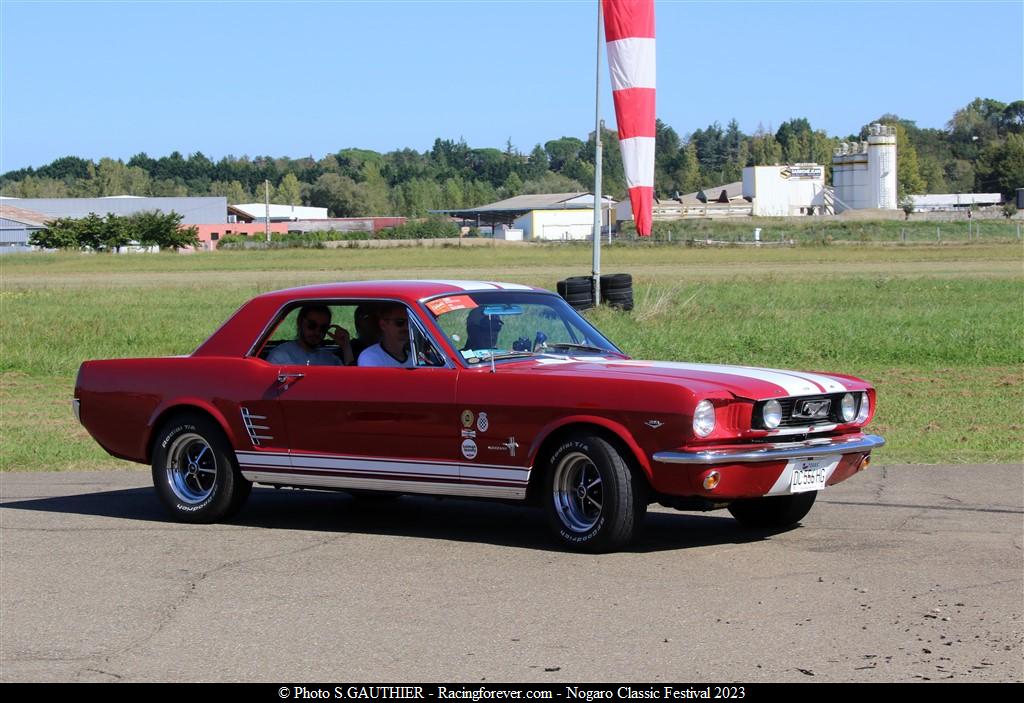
(711, 480)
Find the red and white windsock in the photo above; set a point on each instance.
(629, 31)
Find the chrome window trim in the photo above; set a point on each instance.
(299, 302)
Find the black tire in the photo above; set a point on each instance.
(195, 472)
(591, 499)
(623, 301)
(773, 511)
(576, 286)
(617, 282)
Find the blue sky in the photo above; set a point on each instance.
(308, 78)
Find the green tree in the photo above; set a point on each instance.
(765, 149)
(551, 183)
(538, 163)
(36, 187)
(61, 233)
(374, 189)
(233, 191)
(288, 191)
(161, 229)
(562, 152)
(688, 174)
(908, 173)
(1001, 167)
(339, 194)
(512, 185)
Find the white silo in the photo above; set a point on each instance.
(882, 167)
(839, 176)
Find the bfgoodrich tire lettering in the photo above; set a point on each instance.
(773, 511)
(592, 501)
(194, 470)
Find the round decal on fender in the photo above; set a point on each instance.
(482, 423)
(469, 449)
(467, 418)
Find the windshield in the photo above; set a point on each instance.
(509, 324)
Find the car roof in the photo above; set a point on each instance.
(406, 290)
(237, 334)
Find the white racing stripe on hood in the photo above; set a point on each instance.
(790, 381)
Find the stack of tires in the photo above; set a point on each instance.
(616, 291)
(578, 291)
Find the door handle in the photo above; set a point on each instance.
(286, 378)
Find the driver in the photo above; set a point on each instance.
(313, 324)
(482, 330)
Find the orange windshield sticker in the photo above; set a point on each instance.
(440, 306)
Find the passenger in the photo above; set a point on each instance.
(314, 323)
(481, 330)
(367, 327)
(393, 348)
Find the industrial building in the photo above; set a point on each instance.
(257, 212)
(953, 202)
(543, 216)
(782, 191)
(864, 173)
(193, 211)
(17, 225)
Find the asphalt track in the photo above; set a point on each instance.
(902, 573)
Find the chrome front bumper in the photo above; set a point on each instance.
(783, 451)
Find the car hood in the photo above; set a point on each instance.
(742, 381)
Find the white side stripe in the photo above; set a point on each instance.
(375, 465)
(452, 489)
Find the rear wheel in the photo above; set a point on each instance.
(592, 500)
(773, 511)
(194, 470)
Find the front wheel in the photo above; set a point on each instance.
(194, 470)
(773, 511)
(592, 501)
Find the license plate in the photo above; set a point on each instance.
(810, 475)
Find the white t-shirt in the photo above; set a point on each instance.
(376, 356)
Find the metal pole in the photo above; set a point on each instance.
(597, 166)
(266, 189)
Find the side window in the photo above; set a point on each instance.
(426, 353)
(287, 332)
(361, 319)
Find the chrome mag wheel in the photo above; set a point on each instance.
(191, 468)
(578, 492)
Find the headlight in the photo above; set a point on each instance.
(771, 414)
(704, 418)
(865, 408)
(848, 407)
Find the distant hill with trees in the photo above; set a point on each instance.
(981, 149)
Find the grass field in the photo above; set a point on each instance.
(938, 329)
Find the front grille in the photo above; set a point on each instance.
(833, 416)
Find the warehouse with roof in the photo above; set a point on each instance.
(542, 216)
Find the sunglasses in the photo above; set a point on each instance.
(314, 327)
(397, 321)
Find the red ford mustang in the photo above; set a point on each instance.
(505, 392)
